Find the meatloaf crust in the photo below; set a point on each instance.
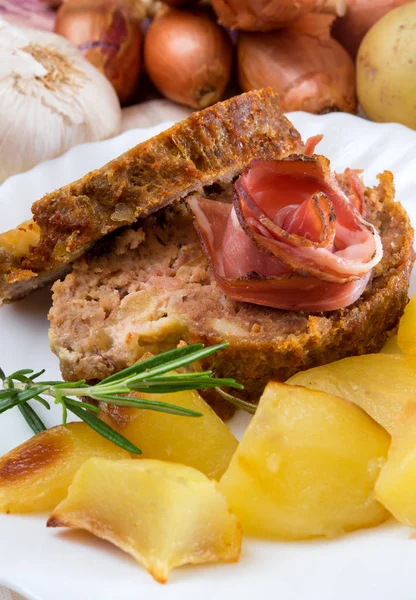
(150, 287)
(211, 145)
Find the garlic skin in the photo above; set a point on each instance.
(51, 98)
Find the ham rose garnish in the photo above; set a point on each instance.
(292, 239)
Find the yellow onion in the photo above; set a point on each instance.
(359, 18)
(109, 35)
(310, 70)
(265, 15)
(188, 57)
(176, 3)
(53, 3)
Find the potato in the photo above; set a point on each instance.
(386, 68)
(382, 384)
(36, 475)
(163, 514)
(406, 335)
(391, 346)
(306, 466)
(204, 442)
(396, 485)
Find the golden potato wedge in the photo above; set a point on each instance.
(396, 484)
(382, 384)
(204, 443)
(163, 514)
(36, 475)
(391, 346)
(406, 335)
(306, 466)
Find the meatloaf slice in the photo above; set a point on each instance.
(212, 145)
(149, 287)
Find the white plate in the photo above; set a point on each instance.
(52, 565)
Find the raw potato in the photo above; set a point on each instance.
(396, 485)
(382, 384)
(163, 514)
(204, 443)
(306, 466)
(36, 475)
(386, 68)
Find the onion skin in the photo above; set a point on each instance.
(27, 13)
(386, 68)
(260, 15)
(360, 17)
(109, 36)
(53, 3)
(188, 57)
(310, 70)
(176, 3)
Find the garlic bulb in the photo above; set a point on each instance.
(51, 98)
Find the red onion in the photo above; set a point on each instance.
(109, 35)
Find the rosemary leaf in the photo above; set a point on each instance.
(31, 418)
(176, 363)
(103, 429)
(2, 374)
(64, 411)
(71, 384)
(21, 374)
(153, 386)
(10, 402)
(35, 375)
(30, 393)
(247, 406)
(154, 361)
(142, 403)
(82, 404)
(197, 380)
(44, 402)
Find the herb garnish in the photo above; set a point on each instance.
(152, 375)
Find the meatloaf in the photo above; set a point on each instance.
(211, 145)
(149, 287)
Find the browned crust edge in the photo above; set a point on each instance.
(211, 145)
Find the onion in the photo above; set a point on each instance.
(27, 13)
(53, 3)
(265, 15)
(359, 17)
(176, 3)
(188, 57)
(311, 71)
(109, 35)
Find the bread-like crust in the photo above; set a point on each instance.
(148, 289)
(211, 145)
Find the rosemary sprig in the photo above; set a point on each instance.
(153, 375)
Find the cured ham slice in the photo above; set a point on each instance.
(292, 239)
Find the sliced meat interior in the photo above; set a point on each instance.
(150, 287)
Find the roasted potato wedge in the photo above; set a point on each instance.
(391, 346)
(396, 484)
(163, 514)
(406, 334)
(36, 475)
(382, 384)
(306, 466)
(204, 443)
